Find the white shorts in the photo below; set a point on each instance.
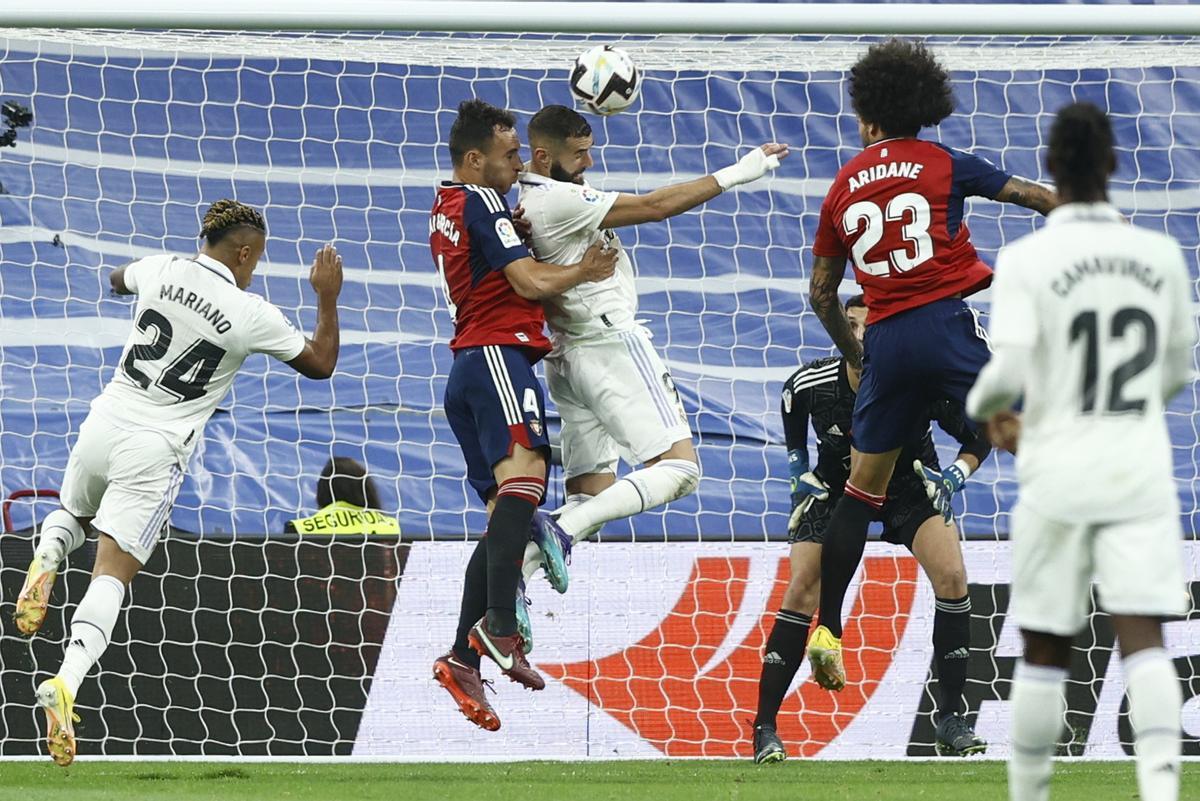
(1137, 566)
(617, 400)
(126, 480)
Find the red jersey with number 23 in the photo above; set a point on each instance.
(472, 238)
(896, 211)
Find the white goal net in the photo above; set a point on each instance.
(243, 641)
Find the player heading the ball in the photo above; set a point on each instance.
(896, 211)
(193, 327)
(613, 391)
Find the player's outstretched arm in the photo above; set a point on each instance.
(827, 273)
(535, 280)
(320, 353)
(677, 198)
(1029, 194)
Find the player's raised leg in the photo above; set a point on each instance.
(861, 502)
(522, 483)
(617, 397)
(142, 478)
(61, 534)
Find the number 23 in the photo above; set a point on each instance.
(915, 231)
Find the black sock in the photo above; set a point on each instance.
(474, 603)
(952, 647)
(507, 534)
(845, 539)
(781, 659)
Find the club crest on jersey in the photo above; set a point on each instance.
(535, 425)
(506, 232)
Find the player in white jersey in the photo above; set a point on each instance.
(1092, 322)
(614, 394)
(194, 325)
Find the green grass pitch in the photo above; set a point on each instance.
(951, 780)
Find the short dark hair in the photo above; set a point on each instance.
(228, 215)
(1081, 154)
(475, 126)
(899, 86)
(856, 302)
(344, 479)
(558, 124)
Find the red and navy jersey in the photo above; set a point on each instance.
(472, 237)
(896, 210)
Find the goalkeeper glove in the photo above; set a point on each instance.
(941, 486)
(750, 167)
(806, 490)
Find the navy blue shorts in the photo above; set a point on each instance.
(911, 360)
(493, 401)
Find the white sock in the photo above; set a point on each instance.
(533, 554)
(1038, 707)
(662, 482)
(1155, 704)
(91, 629)
(60, 535)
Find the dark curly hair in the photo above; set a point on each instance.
(899, 86)
(344, 479)
(474, 127)
(226, 216)
(1081, 155)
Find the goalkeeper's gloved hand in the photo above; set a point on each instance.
(806, 490)
(941, 486)
(752, 166)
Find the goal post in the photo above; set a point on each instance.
(334, 121)
(545, 16)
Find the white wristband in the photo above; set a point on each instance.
(749, 167)
(963, 467)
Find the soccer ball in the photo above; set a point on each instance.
(605, 80)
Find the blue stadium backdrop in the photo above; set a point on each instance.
(342, 138)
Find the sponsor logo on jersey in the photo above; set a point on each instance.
(834, 431)
(508, 234)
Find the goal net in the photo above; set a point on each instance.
(240, 641)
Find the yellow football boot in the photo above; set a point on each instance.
(54, 697)
(825, 656)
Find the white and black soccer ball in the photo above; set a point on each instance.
(605, 79)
